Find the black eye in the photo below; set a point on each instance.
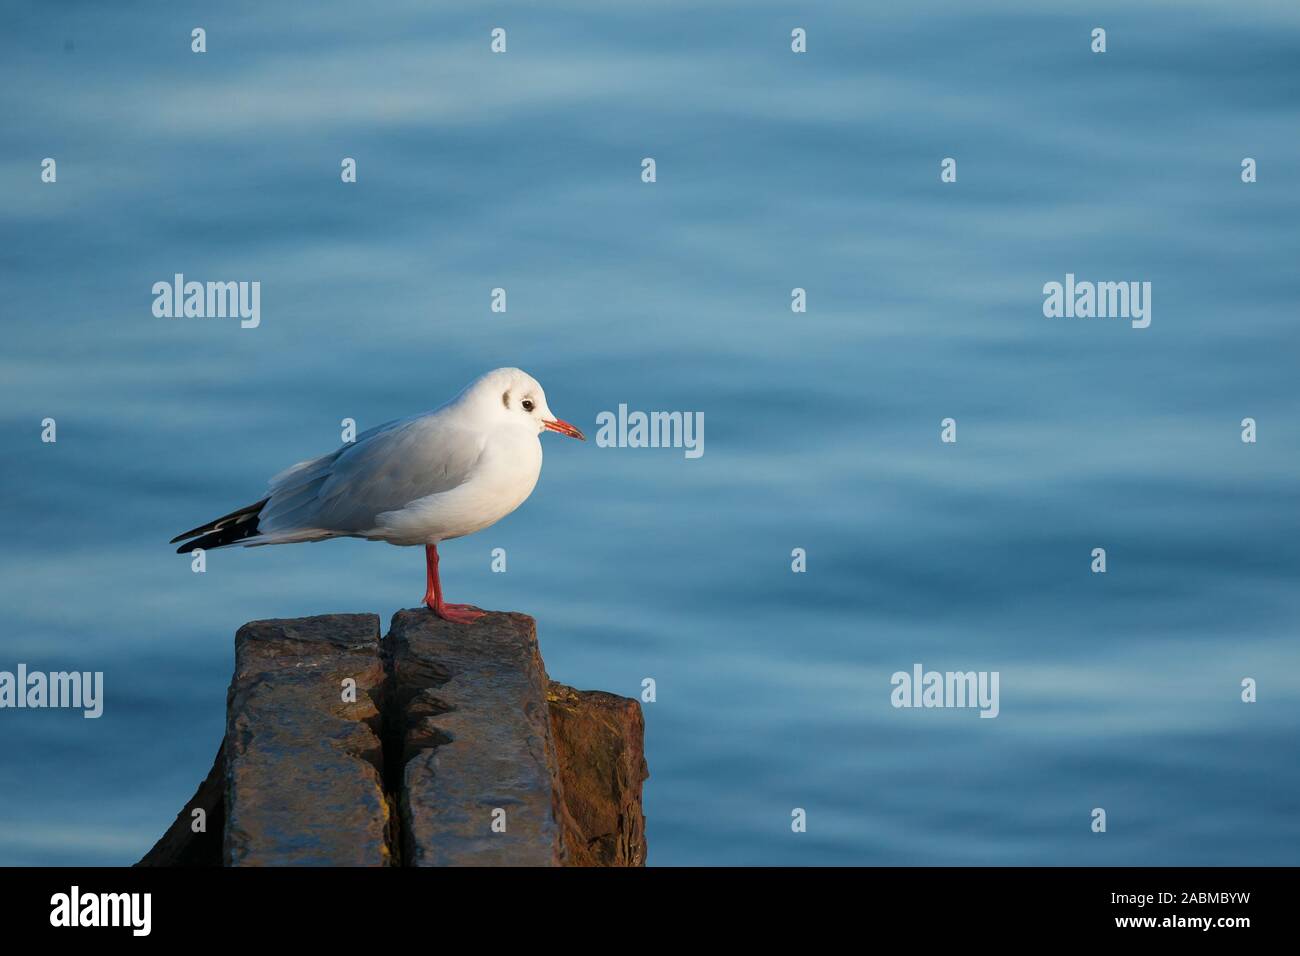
(528, 404)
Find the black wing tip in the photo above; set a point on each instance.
(199, 542)
(225, 530)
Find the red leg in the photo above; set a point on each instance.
(456, 613)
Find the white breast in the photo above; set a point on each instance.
(502, 479)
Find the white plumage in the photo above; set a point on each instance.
(415, 481)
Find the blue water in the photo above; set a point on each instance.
(775, 170)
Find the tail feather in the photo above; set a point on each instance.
(227, 529)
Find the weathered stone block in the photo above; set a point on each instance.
(304, 765)
(476, 742)
(599, 750)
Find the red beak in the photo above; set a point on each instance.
(564, 428)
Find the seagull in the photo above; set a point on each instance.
(414, 481)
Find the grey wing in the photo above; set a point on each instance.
(383, 470)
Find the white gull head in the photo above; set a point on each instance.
(510, 396)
